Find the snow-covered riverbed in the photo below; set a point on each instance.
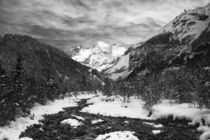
(113, 106)
(15, 128)
(109, 106)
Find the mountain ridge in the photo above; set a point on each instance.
(182, 35)
(102, 56)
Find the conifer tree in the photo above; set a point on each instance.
(84, 83)
(19, 89)
(2, 71)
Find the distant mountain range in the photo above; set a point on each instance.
(180, 36)
(105, 58)
(110, 59)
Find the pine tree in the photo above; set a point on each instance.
(51, 89)
(2, 84)
(84, 83)
(2, 71)
(19, 88)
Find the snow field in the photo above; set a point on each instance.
(110, 106)
(118, 135)
(97, 121)
(154, 125)
(115, 107)
(15, 128)
(26, 138)
(78, 117)
(156, 132)
(73, 122)
(184, 110)
(188, 111)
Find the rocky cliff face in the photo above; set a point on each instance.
(175, 43)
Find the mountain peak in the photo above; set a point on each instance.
(180, 38)
(101, 56)
(102, 44)
(189, 25)
(103, 47)
(79, 47)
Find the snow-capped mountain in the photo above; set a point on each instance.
(176, 43)
(189, 25)
(119, 69)
(101, 57)
(74, 51)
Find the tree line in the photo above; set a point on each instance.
(187, 80)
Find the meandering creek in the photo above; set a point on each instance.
(51, 128)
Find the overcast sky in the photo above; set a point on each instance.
(67, 23)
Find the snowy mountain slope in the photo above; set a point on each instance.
(102, 56)
(119, 68)
(110, 59)
(189, 25)
(181, 36)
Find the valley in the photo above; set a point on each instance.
(156, 89)
(87, 126)
(50, 127)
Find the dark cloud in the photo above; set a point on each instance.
(67, 23)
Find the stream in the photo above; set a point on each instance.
(51, 128)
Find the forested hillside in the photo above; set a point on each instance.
(31, 71)
(175, 63)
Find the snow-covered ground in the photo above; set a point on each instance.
(120, 69)
(97, 121)
(26, 138)
(118, 135)
(78, 117)
(188, 24)
(184, 110)
(115, 107)
(13, 131)
(156, 131)
(73, 122)
(196, 115)
(111, 106)
(154, 125)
